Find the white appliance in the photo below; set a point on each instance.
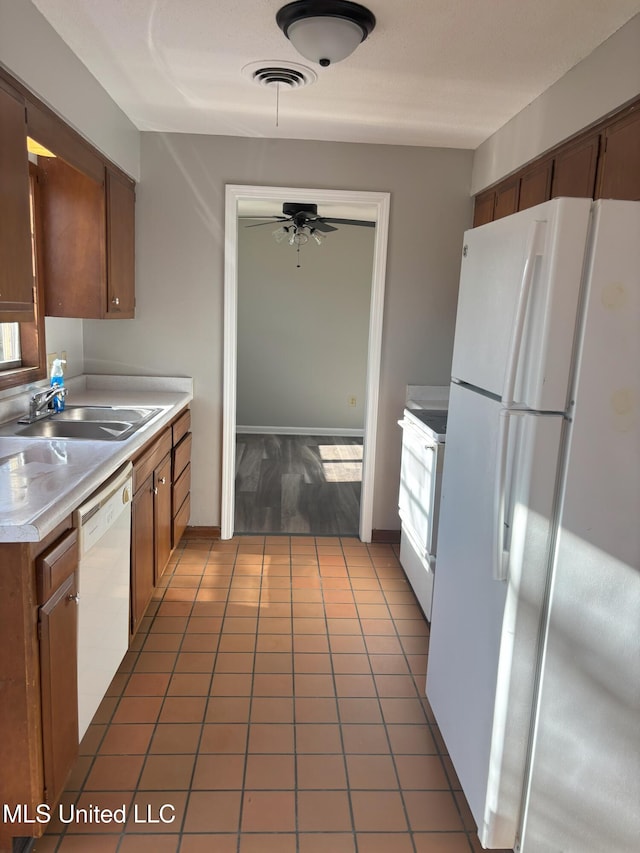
(534, 660)
(104, 535)
(423, 439)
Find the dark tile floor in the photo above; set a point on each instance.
(272, 702)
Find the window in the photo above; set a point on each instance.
(22, 345)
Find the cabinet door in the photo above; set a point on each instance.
(142, 551)
(483, 211)
(506, 199)
(120, 300)
(574, 169)
(16, 269)
(535, 186)
(162, 514)
(58, 679)
(620, 163)
(73, 230)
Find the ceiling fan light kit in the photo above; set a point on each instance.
(325, 31)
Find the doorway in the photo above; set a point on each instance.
(237, 196)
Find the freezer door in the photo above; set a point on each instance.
(519, 291)
(496, 513)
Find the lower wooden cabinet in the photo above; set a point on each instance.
(38, 681)
(160, 510)
(56, 581)
(162, 515)
(58, 631)
(142, 551)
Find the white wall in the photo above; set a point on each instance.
(32, 51)
(66, 335)
(303, 332)
(179, 290)
(606, 79)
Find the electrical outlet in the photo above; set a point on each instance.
(50, 358)
(352, 402)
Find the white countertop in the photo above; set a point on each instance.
(43, 480)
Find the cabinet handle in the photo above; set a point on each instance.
(162, 481)
(74, 596)
(155, 490)
(115, 300)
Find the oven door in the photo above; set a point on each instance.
(419, 483)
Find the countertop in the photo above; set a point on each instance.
(43, 480)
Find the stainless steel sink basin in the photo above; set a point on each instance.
(103, 414)
(91, 423)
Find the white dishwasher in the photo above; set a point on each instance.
(104, 535)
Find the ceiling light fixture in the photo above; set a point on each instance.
(325, 31)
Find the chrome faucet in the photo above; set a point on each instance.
(41, 404)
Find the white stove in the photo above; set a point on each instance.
(424, 427)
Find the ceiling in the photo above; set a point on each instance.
(433, 72)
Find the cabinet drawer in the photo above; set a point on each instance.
(181, 456)
(55, 565)
(150, 459)
(181, 426)
(181, 520)
(181, 489)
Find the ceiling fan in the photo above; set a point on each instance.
(300, 222)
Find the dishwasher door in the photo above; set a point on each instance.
(104, 536)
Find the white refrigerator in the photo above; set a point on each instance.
(534, 657)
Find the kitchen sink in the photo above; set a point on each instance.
(91, 423)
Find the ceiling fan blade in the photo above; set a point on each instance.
(321, 225)
(351, 222)
(271, 220)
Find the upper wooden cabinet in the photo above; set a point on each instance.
(574, 169)
(601, 162)
(506, 201)
(88, 243)
(535, 185)
(88, 208)
(120, 198)
(620, 163)
(16, 267)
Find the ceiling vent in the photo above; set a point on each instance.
(291, 75)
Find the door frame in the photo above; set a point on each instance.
(233, 194)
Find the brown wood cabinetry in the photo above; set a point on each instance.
(574, 169)
(151, 520)
(16, 270)
(620, 163)
(56, 580)
(160, 510)
(88, 254)
(535, 185)
(142, 551)
(506, 201)
(601, 162)
(120, 211)
(162, 520)
(181, 476)
(38, 649)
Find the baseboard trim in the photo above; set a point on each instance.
(282, 430)
(201, 533)
(387, 537)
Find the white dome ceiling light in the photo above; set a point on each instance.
(325, 31)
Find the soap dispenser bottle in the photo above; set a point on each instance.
(57, 381)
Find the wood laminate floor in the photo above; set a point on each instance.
(298, 484)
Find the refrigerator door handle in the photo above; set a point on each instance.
(534, 247)
(500, 556)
